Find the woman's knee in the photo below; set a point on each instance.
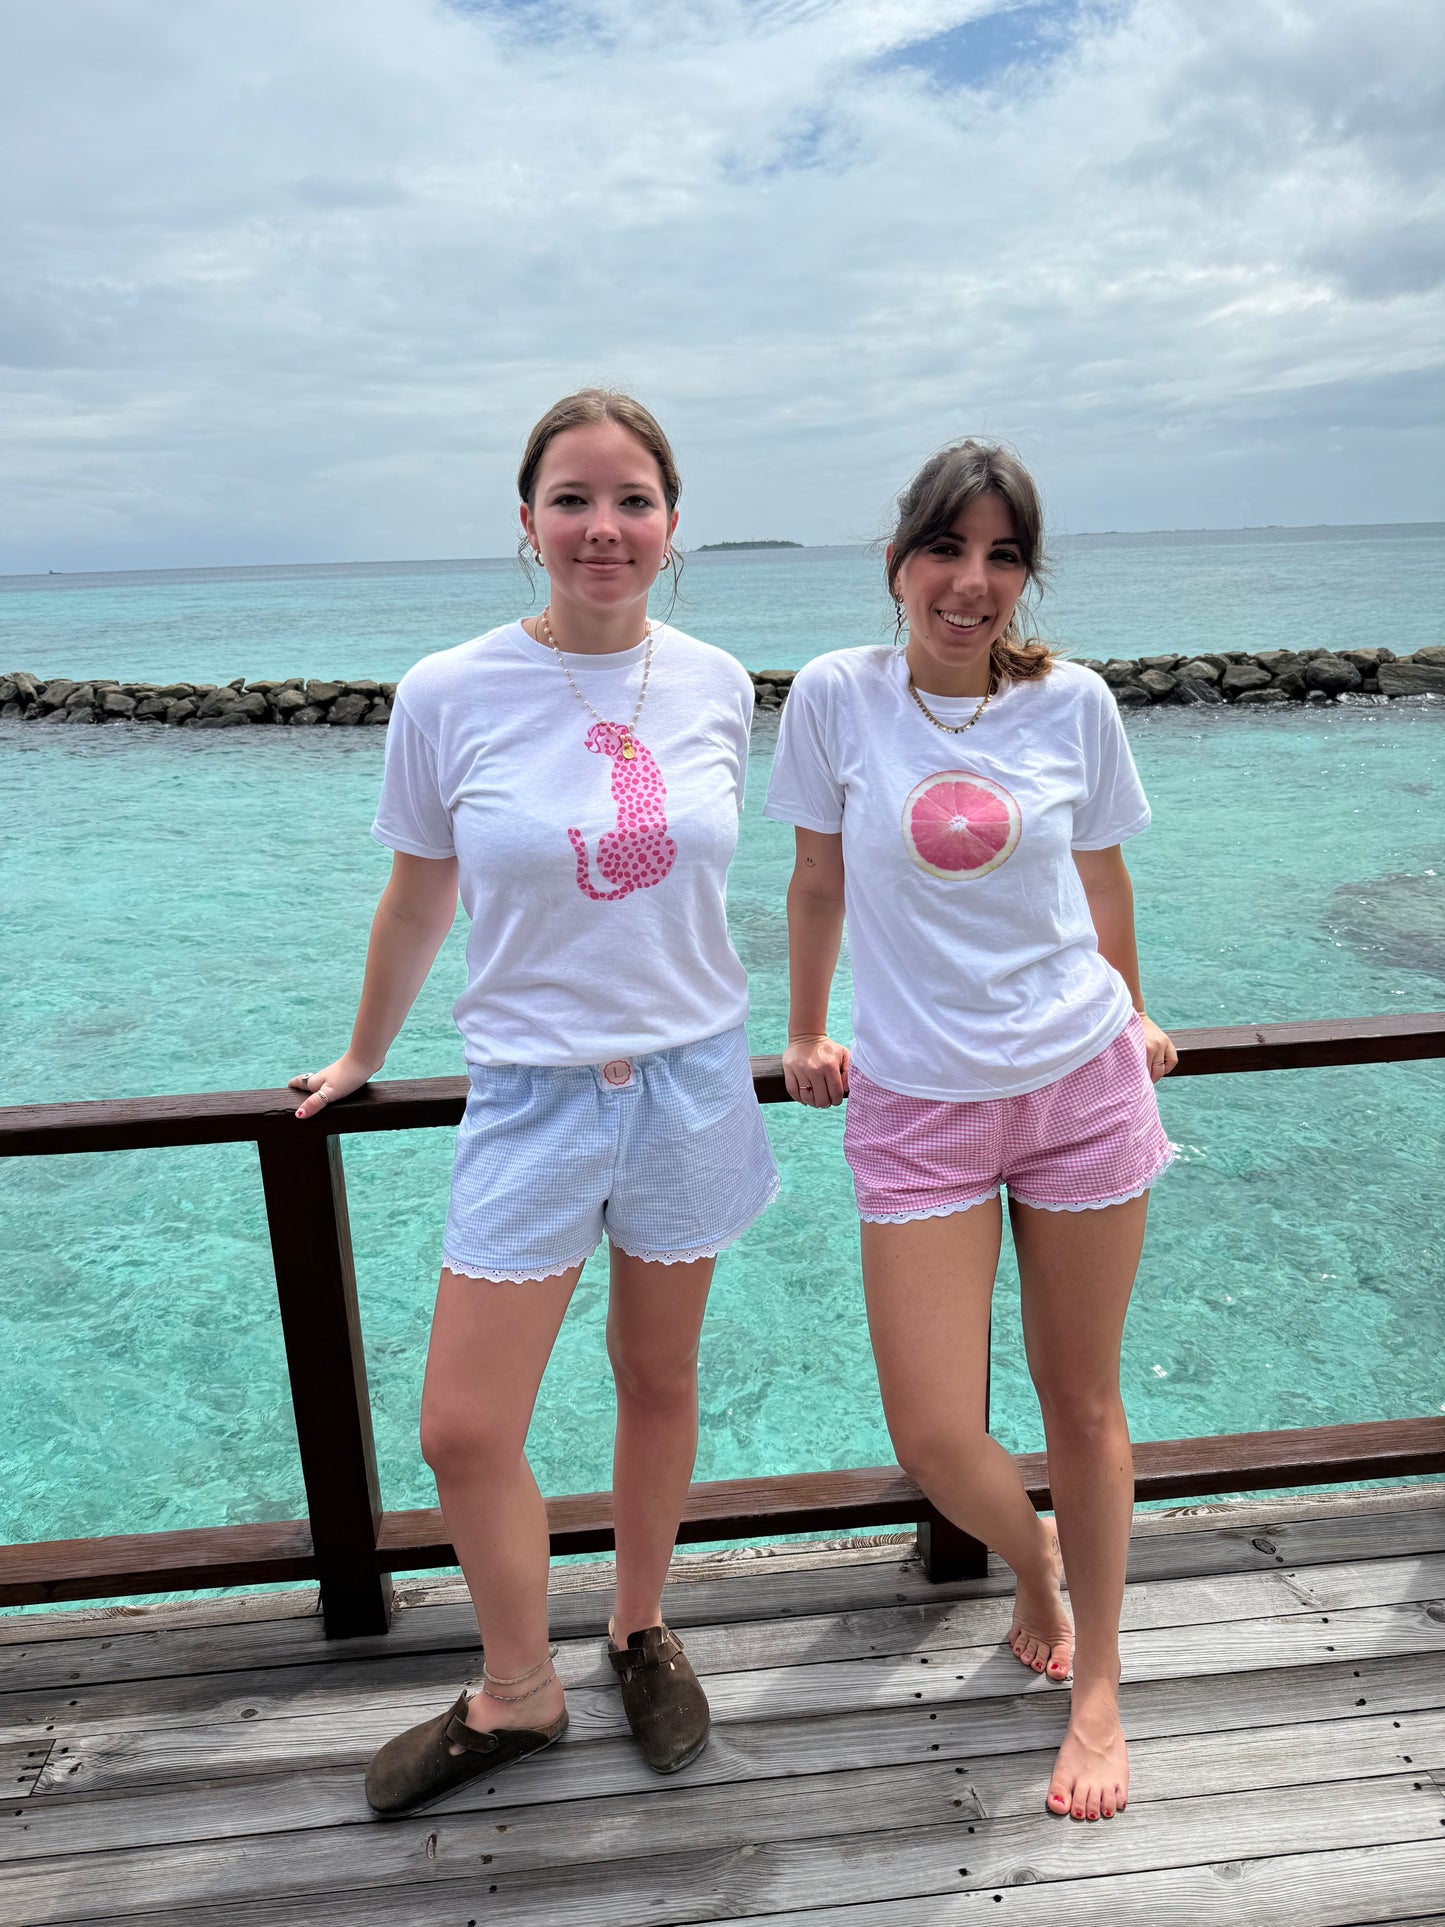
(469, 1440)
(1085, 1414)
(653, 1383)
(934, 1452)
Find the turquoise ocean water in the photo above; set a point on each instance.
(188, 911)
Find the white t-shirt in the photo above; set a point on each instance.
(976, 971)
(594, 881)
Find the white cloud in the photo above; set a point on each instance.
(293, 282)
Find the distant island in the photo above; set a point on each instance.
(708, 548)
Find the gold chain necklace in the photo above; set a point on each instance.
(954, 729)
(629, 746)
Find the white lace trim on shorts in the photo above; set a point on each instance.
(1098, 1204)
(514, 1277)
(939, 1211)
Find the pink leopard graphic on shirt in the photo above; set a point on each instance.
(639, 852)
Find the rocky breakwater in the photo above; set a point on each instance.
(296, 703)
(1271, 678)
(1268, 680)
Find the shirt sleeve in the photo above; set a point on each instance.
(1115, 806)
(805, 790)
(412, 815)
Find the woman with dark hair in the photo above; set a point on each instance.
(577, 776)
(999, 1039)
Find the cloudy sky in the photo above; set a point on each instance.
(289, 280)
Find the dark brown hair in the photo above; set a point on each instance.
(931, 504)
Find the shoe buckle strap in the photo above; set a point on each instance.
(460, 1734)
(630, 1659)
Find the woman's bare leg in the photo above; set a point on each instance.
(490, 1342)
(654, 1319)
(929, 1286)
(1077, 1270)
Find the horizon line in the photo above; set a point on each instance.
(417, 561)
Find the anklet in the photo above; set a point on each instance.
(508, 1699)
(489, 1680)
(517, 1678)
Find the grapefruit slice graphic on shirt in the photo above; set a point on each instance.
(959, 826)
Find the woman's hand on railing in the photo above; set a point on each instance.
(815, 1070)
(1159, 1049)
(338, 1080)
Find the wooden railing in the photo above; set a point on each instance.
(350, 1546)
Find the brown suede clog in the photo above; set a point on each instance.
(418, 1767)
(665, 1706)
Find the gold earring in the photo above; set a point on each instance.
(537, 558)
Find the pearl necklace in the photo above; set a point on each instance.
(629, 747)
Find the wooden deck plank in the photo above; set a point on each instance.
(988, 1671)
(969, 1674)
(31, 1627)
(21, 1762)
(152, 1642)
(731, 1882)
(1357, 1887)
(843, 1799)
(839, 1638)
(112, 1765)
(1292, 1506)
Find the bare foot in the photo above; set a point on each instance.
(1042, 1633)
(488, 1715)
(1091, 1775)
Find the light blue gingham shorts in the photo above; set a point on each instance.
(666, 1153)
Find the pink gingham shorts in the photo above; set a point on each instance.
(1091, 1139)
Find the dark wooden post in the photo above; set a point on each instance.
(946, 1550)
(305, 1189)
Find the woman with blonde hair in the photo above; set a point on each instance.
(963, 800)
(578, 777)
